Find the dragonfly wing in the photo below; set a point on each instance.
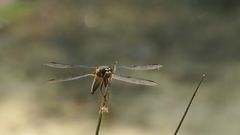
(134, 80)
(69, 78)
(96, 83)
(142, 67)
(60, 65)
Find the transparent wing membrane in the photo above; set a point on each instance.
(131, 67)
(60, 65)
(133, 80)
(142, 67)
(69, 78)
(98, 81)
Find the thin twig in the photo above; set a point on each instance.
(189, 104)
(103, 109)
(99, 123)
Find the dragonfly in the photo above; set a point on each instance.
(103, 74)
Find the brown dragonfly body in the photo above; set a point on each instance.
(102, 77)
(104, 74)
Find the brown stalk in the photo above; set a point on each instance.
(189, 104)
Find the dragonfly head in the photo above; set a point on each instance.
(104, 71)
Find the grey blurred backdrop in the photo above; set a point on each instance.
(189, 38)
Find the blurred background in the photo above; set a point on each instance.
(188, 37)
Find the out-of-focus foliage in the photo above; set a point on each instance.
(188, 37)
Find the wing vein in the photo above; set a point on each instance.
(142, 67)
(134, 80)
(69, 78)
(61, 65)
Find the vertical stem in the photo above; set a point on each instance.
(103, 109)
(99, 122)
(189, 104)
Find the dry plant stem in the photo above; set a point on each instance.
(103, 108)
(189, 104)
(99, 123)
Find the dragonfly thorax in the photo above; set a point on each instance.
(104, 71)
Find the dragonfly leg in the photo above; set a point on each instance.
(101, 89)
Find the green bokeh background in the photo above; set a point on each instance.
(188, 37)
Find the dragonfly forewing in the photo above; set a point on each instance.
(133, 80)
(69, 78)
(61, 65)
(142, 67)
